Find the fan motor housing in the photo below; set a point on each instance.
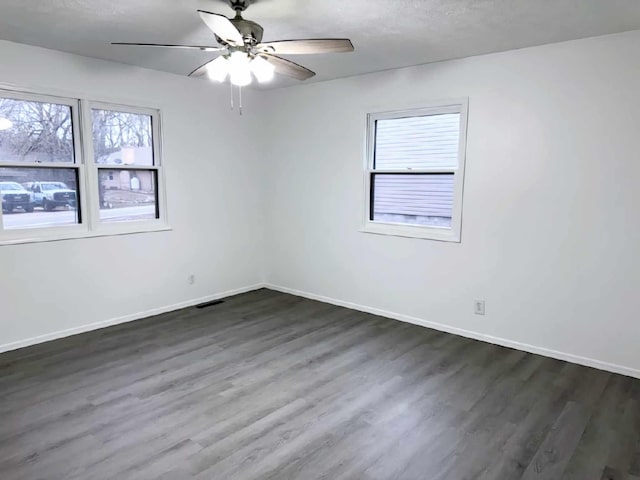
(249, 30)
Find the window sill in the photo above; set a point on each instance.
(75, 235)
(409, 231)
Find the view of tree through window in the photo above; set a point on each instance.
(35, 132)
(121, 138)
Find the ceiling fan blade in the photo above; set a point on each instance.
(202, 69)
(204, 48)
(222, 27)
(310, 46)
(287, 67)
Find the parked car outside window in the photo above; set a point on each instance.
(50, 195)
(14, 196)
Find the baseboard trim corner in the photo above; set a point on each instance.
(567, 357)
(124, 319)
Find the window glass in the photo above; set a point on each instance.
(39, 197)
(127, 195)
(121, 138)
(414, 199)
(35, 132)
(430, 141)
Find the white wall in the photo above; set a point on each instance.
(551, 227)
(550, 231)
(213, 206)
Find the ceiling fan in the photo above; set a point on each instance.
(243, 55)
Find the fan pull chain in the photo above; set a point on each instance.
(233, 97)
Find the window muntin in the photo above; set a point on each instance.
(41, 152)
(415, 171)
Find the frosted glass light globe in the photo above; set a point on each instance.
(218, 69)
(240, 69)
(262, 69)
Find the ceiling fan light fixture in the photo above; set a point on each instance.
(218, 69)
(243, 55)
(262, 69)
(240, 69)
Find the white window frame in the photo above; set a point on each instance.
(452, 234)
(115, 228)
(87, 194)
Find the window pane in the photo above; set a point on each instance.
(415, 199)
(35, 132)
(121, 138)
(39, 197)
(418, 142)
(128, 195)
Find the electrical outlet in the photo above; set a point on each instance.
(191, 279)
(478, 307)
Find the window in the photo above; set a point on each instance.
(39, 168)
(63, 178)
(123, 149)
(415, 172)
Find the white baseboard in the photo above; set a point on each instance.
(127, 318)
(568, 357)
(589, 362)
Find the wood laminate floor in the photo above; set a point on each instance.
(272, 386)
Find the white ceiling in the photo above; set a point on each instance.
(386, 33)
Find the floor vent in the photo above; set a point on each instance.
(210, 304)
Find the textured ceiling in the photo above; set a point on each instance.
(386, 33)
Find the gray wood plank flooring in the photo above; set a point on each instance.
(272, 386)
